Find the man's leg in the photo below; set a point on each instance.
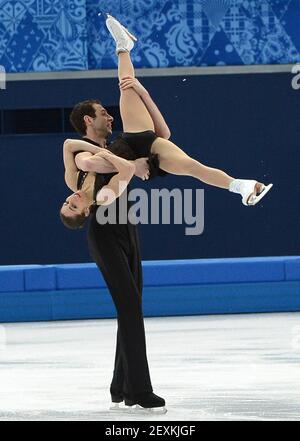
(117, 385)
(118, 382)
(113, 262)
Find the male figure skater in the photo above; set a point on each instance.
(115, 248)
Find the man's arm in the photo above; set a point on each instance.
(160, 125)
(100, 164)
(94, 163)
(118, 184)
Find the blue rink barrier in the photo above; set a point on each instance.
(171, 288)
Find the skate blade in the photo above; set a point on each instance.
(117, 407)
(137, 410)
(144, 411)
(130, 34)
(258, 198)
(121, 408)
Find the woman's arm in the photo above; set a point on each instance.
(160, 125)
(76, 145)
(72, 146)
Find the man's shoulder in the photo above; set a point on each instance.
(86, 139)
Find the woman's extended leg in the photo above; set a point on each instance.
(134, 114)
(136, 118)
(174, 160)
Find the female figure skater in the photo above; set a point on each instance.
(142, 135)
(146, 134)
(90, 171)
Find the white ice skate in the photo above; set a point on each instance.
(251, 191)
(123, 38)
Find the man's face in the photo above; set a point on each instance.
(102, 124)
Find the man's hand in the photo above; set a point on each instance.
(142, 168)
(133, 83)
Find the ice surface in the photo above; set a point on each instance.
(233, 367)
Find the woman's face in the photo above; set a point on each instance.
(76, 204)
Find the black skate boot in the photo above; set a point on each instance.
(148, 403)
(116, 399)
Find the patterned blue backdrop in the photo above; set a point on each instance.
(47, 35)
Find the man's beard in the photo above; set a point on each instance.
(104, 133)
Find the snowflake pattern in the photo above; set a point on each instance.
(56, 35)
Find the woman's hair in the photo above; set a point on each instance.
(74, 222)
(79, 112)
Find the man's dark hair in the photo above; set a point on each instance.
(74, 222)
(79, 112)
